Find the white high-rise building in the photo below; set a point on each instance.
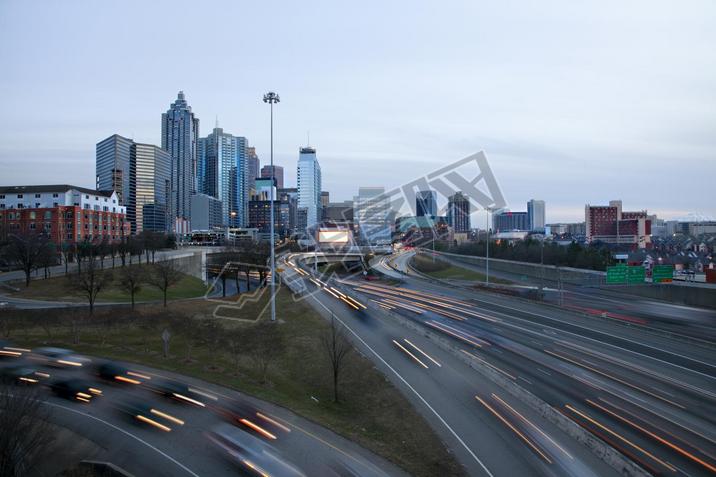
(309, 185)
(536, 214)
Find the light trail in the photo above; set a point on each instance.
(499, 399)
(514, 429)
(417, 360)
(471, 340)
(620, 437)
(655, 436)
(422, 352)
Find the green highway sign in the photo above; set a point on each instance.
(662, 273)
(617, 274)
(636, 274)
(622, 274)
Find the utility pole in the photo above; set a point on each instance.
(487, 248)
(272, 98)
(541, 263)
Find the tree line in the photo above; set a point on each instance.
(31, 252)
(593, 257)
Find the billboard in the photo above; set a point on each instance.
(334, 236)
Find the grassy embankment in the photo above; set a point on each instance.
(440, 269)
(372, 412)
(61, 289)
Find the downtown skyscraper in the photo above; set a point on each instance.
(309, 185)
(180, 137)
(223, 173)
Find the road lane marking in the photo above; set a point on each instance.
(422, 352)
(415, 358)
(412, 389)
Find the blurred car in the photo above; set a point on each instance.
(9, 351)
(245, 415)
(116, 372)
(75, 389)
(150, 415)
(175, 390)
(22, 375)
(251, 453)
(59, 357)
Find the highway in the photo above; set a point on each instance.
(490, 432)
(615, 303)
(99, 430)
(649, 396)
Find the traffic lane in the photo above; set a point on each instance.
(450, 390)
(684, 356)
(314, 450)
(558, 387)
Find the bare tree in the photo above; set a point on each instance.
(165, 275)
(90, 281)
(26, 430)
(26, 251)
(131, 279)
(338, 348)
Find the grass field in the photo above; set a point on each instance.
(372, 412)
(444, 270)
(60, 288)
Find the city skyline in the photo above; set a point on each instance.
(614, 142)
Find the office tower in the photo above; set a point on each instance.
(277, 174)
(223, 170)
(208, 212)
(180, 137)
(289, 195)
(506, 221)
(426, 203)
(536, 214)
(150, 179)
(112, 165)
(254, 164)
(325, 199)
(137, 172)
(458, 212)
(371, 209)
(309, 185)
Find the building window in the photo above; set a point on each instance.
(55, 195)
(87, 206)
(19, 196)
(68, 215)
(55, 204)
(2, 196)
(37, 205)
(69, 226)
(86, 196)
(48, 215)
(32, 226)
(19, 206)
(37, 196)
(33, 215)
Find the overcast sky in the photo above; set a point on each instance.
(572, 103)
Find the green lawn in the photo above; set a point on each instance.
(439, 269)
(60, 288)
(372, 412)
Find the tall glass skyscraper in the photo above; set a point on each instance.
(253, 168)
(223, 174)
(458, 212)
(141, 176)
(180, 137)
(150, 177)
(426, 203)
(112, 166)
(536, 214)
(309, 185)
(371, 211)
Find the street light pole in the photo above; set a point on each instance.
(272, 98)
(487, 248)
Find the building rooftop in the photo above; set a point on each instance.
(30, 189)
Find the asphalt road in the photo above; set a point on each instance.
(649, 396)
(465, 409)
(141, 449)
(617, 304)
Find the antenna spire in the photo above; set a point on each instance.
(216, 126)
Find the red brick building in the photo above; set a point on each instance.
(67, 214)
(607, 223)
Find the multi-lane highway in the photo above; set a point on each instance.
(130, 422)
(648, 396)
(490, 432)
